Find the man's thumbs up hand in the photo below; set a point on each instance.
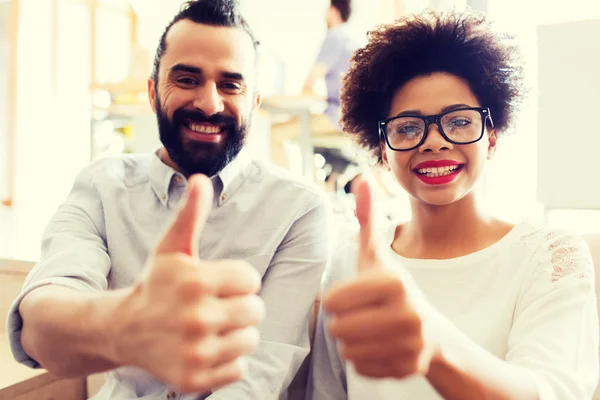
(189, 322)
(372, 316)
(182, 236)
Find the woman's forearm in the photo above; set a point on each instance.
(463, 370)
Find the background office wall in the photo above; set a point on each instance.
(52, 118)
(4, 94)
(54, 75)
(514, 174)
(53, 99)
(569, 99)
(52, 111)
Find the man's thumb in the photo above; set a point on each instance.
(364, 213)
(182, 235)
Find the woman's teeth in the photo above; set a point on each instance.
(441, 171)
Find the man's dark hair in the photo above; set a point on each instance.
(462, 44)
(344, 7)
(225, 13)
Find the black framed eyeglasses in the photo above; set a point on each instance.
(459, 126)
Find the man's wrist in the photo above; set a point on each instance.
(112, 319)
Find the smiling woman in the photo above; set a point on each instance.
(465, 137)
(464, 304)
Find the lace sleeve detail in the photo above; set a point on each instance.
(567, 255)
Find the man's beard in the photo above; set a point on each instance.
(198, 157)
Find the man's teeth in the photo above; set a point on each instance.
(204, 128)
(441, 171)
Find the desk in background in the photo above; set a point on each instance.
(303, 108)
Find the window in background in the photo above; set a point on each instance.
(53, 102)
(4, 98)
(113, 45)
(38, 136)
(73, 70)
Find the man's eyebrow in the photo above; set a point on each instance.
(233, 75)
(196, 70)
(185, 68)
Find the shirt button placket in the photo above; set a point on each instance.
(171, 395)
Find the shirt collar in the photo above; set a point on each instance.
(233, 170)
(164, 179)
(161, 176)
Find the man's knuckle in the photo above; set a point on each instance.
(193, 288)
(199, 323)
(201, 357)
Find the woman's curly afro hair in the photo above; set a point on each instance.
(462, 44)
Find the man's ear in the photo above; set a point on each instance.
(493, 141)
(257, 101)
(152, 95)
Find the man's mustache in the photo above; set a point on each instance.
(181, 116)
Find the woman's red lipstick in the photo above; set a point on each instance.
(438, 172)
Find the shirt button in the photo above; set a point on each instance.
(224, 197)
(171, 395)
(178, 179)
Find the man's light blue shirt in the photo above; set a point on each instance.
(100, 238)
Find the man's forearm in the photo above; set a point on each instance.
(67, 332)
(465, 371)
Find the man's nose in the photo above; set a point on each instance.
(209, 100)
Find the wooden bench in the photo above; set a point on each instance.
(18, 382)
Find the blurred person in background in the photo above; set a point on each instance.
(332, 62)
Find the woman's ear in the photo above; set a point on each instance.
(493, 141)
(384, 159)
